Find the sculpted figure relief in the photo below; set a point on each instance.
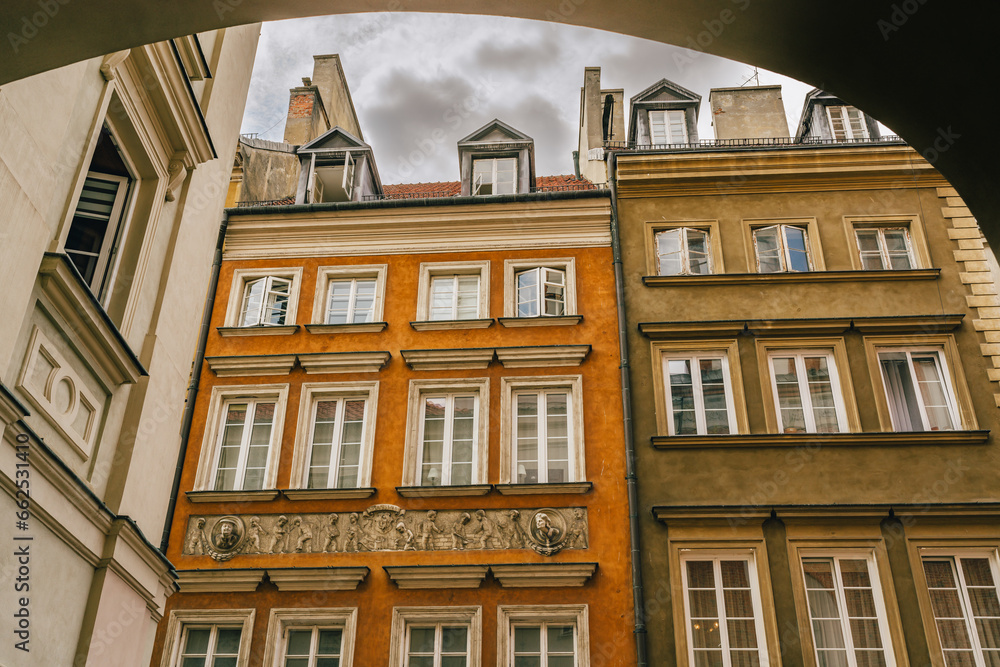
(197, 541)
(304, 543)
(253, 536)
(351, 538)
(458, 538)
(332, 533)
(427, 530)
(279, 539)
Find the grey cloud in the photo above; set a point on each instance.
(523, 58)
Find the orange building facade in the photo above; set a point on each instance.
(407, 445)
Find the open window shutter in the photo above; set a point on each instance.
(348, 183)
(311, 186)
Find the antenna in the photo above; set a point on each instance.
(755, 77)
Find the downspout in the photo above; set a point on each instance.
(192, 391)
(633, 500)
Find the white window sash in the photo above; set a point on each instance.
(845, 118)
(348, 181)
(538, 297)
(438, 641)
(352, 299)
(803, 385)
(784, 248)
(447, 446)
(542, 437)
(684, 241)
(883, 247)
(313, 656)
(543, 644)
(213, 642)
(701, 421)
(268, 297)
(968, 618)
(336, 447)
(246, 433)
(897, 413)
(453, 293)
(109, 244)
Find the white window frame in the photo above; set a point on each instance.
(429, 270)
(281, 620)
(843, 113)
(685, 251)
(943, 369)
(716, 556)
(669, 119)
(843, 426)
(243, 277)
(448, 444)
(311, 394)
(989, 553)
(271, 285)
(570, 384)
(510, 616)
(211, 446)
(694, 357)
(512, 267)
(112, 237)
(836, 555)
(326, 275)
(405, 617)
(180, 620)
(413, 442)
(476, 185)
(244, 446)
(883, 250)
(785, 256)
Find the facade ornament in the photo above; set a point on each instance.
(176, 173)
(197, 544)
(111, 63)
(427, 530)
(517, 538)
(279, 539)
(377, 525)
(332, 533)
(304, 543)
(486, 532)
(254, 532)
(576, 535)
(458, 536)
(351, 540)
(227, 538)
(547, 532)
(404, 538)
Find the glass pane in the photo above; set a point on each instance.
(867, 240)
(700, 574)
(560, 639)
(228, 641)
(735, 574)
(527, 639)
(527, 293)
(705, 633)
(708, 658)
(798, 254)
(299, 642)
(421, 640)
(329, 642)
(703, 604)
(668, 250)
(828, 634)
(742, 633)
(768, 250)
(454, 639)
(197, 641)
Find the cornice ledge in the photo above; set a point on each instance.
(228, 580)
(447, 325)
(244, 366)
(231, 496)
(436, 576)
(741, 514)
(790, 277)
(344, 362)
(444, 491)
(366, 327)
(448, 359)
(231, 332)
(329, 494)
(562, 320)
(82, 315)
(805, 325)
(543, 575)
(870, 439)
(176, 104)
(542, 356)
(317, 578)
(544, 489)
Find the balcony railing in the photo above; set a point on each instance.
(762, 142)
(433, 194)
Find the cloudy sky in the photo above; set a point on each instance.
(415, 75)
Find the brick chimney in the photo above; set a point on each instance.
(306, 115)
(754, 112)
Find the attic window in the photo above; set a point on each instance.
(494, 176)
(332, 179)
(668, 127)
(847, 123)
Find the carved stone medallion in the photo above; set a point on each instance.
(226, 538)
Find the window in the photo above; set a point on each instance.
(781, 248)
(447, 436)
(723, 611)
(349, 295)
(542, 636)
(699, 396)
(806, 391)
(210, 646)
(668, 127)
(335, 435)
(883, 248)
(846, 612)
(494, 176)
(207, 638)
(310, 637)
(966, 608)
(918, 390)
(448, 439)
(847, 123)
(265, 302)
(451, 292)
(541, 292)
(436, 637)
(244, 444)
(683, 251)
(542, 430)
(313, 647)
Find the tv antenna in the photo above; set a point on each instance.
(755, 77)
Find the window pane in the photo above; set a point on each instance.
(197, 641)
(527, 293)
(228, 642)
(789, 399)
(768, 250)
(329, 642)
(697, 244)
(454, 639)
(421, 640)
(527, 640)
(299, 642)
(668, 252)
(798, 253)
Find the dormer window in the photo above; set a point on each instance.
(332, 179)
(494, 176)
(847, 123)
(668, 127)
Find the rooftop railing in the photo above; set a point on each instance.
(762, 142)
(432, 194)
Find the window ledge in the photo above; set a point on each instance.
(232, 496)
(445, 325)
(542, 356)
(317, 578)
(544, 489)
(436, 576)
(790, 277)
(560, 321)
(543, 575)
(443, 491)
(366, 327)
(809, 325)
(871, 439)
(448, 359)
(328, 494)
(343, 362)
(287, 330)
(230, 580)
(264, 364)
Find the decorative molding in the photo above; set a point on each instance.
(567, 488)
(790, 277)
(328, 494)
(870, 439)
(343, 362)
(436, 576)
(449, 325)
(219, 580)
(232, 496)
(485, 225)
(576, 615)
(542, 356)
(190, 53)
(82, 319)
(11, 409)
(179, 618)
(230, 332)
(543, 575)
(366, 327)
(803, 326)
(318, 578)
(448, 359)
(111, 62)
(467, 616)
(562, 320)
(280, 620)
(452, 491)
(253, 365)
(741, 513)
(176, 173)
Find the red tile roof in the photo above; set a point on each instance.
(454, 188)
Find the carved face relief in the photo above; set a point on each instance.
(226, 537)
(547, 531)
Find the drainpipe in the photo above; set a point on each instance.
(633, 501)
(192, 392)
(576, 164)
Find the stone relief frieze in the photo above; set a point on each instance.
(385, 527)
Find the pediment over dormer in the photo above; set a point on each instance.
(497, 159)
(664, 114)
(828, 119)
(335, 139)
(495, 131)
(336, 167)
(665, 90)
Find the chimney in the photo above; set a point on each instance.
(306, 118)
(753, 112)
(602, 118)
(328, 77)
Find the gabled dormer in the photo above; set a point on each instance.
(664, 114)
(826, 117)
(496, 159)
(336, 167)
